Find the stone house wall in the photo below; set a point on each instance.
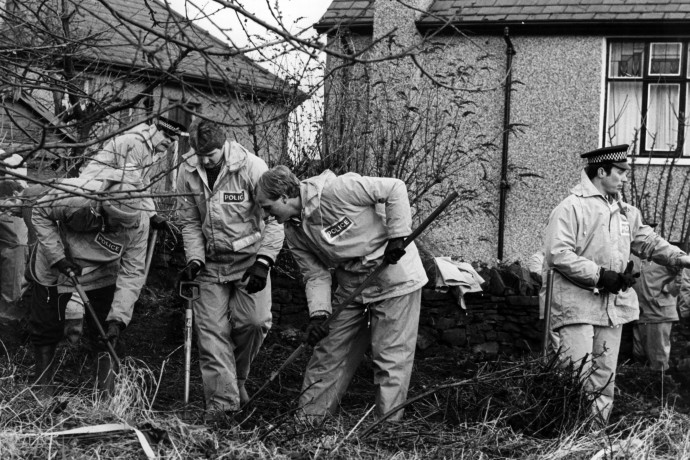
(490, 324)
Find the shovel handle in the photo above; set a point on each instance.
(191, 287)
(190, 291)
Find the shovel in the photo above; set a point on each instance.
(189, 291)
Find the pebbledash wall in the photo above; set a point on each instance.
(490, 325)
(557, 105)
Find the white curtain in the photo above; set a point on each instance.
(662, 117)
(624, 113)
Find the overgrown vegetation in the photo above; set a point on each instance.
(458, 408)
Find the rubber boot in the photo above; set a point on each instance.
(45, 370)
(106, 370)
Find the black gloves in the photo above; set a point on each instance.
(627, 277)
(257, 275)
(190, 272)
(614, 282)
(160, 223)
(67, 267)
(610, 280)
(394, 250)
(316, 330)
(113, 330)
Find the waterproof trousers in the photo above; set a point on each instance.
(599, 345)
(230, 325)
(390, 327)
(652, 343)
(47, 315)
(12, 280)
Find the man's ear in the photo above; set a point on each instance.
(601, 172)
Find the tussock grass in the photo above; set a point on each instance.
(520, 409)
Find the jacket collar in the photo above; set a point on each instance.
(587, 189)
(235, 157)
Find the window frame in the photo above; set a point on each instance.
(647, 80)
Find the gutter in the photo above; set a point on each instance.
(525, 26)
(504, 186)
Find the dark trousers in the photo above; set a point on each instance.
(47, 315)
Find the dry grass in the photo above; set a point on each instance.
(525, 409)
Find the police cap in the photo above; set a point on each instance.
(616, 155)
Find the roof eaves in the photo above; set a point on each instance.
(562, 27)
(329, 26)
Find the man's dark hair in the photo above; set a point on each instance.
(591, 170)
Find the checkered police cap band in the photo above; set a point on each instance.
(171, 127)
(612, 154)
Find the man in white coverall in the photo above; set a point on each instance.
(588, 242)
(351, 224)
(229, 251)
(103, 242)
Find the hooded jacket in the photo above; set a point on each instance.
(129, 157)
(224, 227)
(65, 228)
(345, 224)
(586, 233)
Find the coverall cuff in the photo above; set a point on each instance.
(317, 313)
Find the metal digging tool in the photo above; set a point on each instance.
(339, 308)
(547, 313)
(92, 312)
(190, 291)
(149, 252)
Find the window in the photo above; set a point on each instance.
(647, 85)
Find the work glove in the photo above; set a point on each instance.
(112, 332)
(316, 330)
(162, 224)
(610, 280)
(190, 272)
(628, 277)
(394, 250)
(67, 267)
(257, 275)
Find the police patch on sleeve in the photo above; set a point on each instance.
(333, 231)
(107, 244)
(232, 197)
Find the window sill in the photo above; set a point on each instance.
(682, 161)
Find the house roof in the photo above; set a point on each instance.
(152, 36)
(474, 14)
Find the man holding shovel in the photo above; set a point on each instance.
(351, 224)
(102, 242)
(588, 242)
(229, 251)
